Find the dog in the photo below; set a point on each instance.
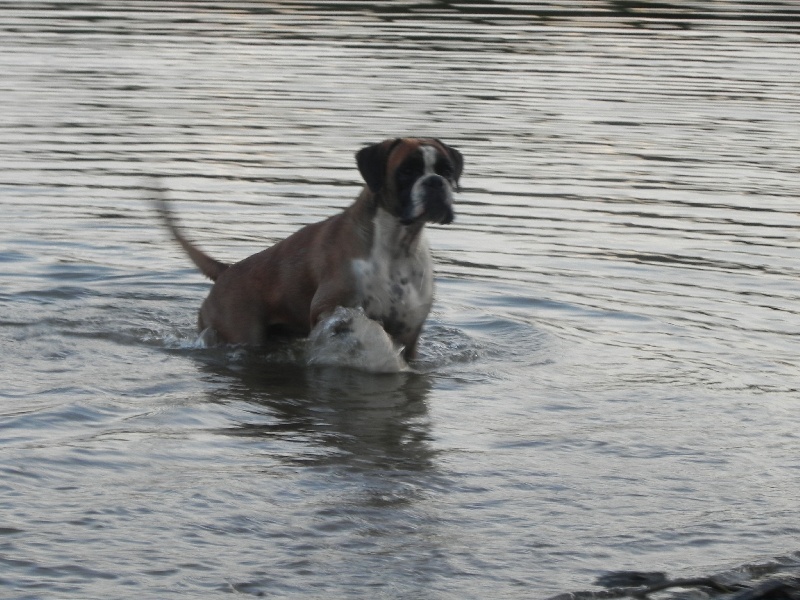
(373, 256)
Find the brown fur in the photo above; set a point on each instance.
(287, 288)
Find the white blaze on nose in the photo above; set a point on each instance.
(429, 154)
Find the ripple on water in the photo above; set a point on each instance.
(609, 376)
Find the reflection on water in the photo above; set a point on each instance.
(609, 376)
(345, 413)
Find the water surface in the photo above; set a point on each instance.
(608, 380)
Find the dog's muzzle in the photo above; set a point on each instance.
(431, 199)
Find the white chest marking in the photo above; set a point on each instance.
(395, 282)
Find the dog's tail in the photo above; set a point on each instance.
(210, 267)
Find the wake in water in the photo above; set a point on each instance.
(348, 338)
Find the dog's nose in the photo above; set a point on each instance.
(434, 182)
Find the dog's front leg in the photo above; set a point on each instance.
(410, 350)
(327, 298)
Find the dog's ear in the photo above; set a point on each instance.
(456, 158)
(371, 163)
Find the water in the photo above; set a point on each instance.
(609, 377)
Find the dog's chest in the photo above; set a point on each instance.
(395, 287)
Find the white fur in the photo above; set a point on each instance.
(395, 283)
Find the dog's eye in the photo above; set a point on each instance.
(444, 169)
(408, 172)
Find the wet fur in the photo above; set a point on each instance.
(373, 255)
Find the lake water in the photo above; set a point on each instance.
(608, 379)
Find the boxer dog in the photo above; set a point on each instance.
(372, 256)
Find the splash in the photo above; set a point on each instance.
(348, 338)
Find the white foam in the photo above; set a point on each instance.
(348, 338)
(208, 338)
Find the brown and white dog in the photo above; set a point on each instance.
(373, 255)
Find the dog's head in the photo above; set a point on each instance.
(412, 178)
